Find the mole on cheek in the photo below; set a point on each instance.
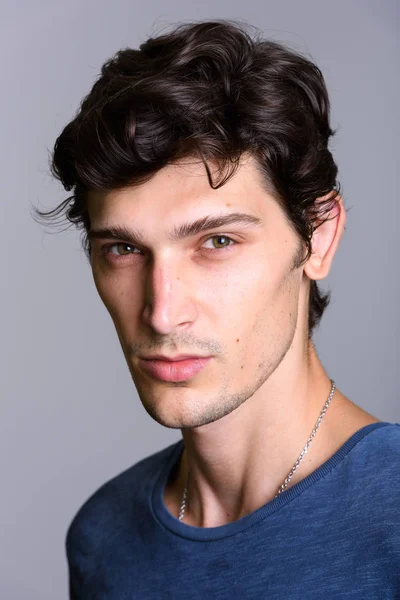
(237, 340)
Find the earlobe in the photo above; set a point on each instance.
(325, 240)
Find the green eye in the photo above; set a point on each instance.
(119, 245)
(220, 246)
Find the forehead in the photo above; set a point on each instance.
(183, 189)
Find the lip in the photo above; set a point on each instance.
(171, 358)
(177, 370)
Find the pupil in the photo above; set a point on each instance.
(221, 237)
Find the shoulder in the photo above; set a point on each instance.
(116, 500)
(382, 443)
(374, 462)
(371, 494)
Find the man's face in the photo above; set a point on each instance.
(229, 292)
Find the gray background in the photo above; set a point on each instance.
(70, 415)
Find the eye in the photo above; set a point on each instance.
(108, 249)
(223, 244)
(112, 250)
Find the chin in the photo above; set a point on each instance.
(184, 407)
(169, 418)
(176, 405)
(181, 415)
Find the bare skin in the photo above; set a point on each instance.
(247, 415)
(337, 426)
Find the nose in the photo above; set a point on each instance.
(167, 298)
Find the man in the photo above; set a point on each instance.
(203, 180)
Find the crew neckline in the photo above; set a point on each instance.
(166, 519)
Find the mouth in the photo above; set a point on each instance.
(180, 370)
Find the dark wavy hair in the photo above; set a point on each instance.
(211, 90)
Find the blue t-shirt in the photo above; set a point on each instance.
(335, 534)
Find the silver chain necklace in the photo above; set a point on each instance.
(296, 464)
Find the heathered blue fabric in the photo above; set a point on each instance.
(335, 534)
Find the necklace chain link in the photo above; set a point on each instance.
(296, 464)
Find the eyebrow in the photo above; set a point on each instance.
(179, 232)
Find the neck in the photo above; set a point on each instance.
(239, 462)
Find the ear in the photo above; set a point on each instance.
(325, 240)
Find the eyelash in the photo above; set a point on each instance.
(115, 257)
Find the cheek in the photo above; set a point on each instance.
(250, 288)
(266, 303)
(102, 284)
(242, 304)
(114, 294)
(277, 316)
